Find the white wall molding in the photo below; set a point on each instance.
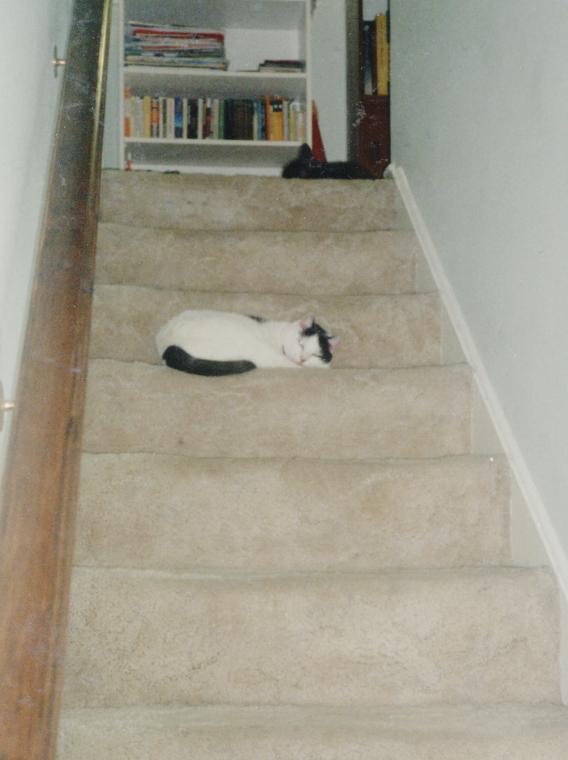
(520, 470)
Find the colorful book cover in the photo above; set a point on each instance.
(276, 119)
(200, 117)
(147, 116)
(127, 112)
(178, 117)
(382, 55)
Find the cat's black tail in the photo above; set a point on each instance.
(176, 358)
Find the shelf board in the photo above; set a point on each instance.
(229, 153)
(211, 142)
(225, 14)
(169, 80)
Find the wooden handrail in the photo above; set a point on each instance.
(42, 466)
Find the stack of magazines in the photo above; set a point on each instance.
(173, 45)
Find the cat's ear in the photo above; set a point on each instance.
(334, 340)
(307, 322)
(305, 152)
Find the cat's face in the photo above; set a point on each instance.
(307, 344)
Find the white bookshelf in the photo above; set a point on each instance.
(254, 30)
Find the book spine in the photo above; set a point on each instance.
(171, 118)
(299, 120)
(128, 108)
(286, 119)
(368, 73)
(207, 124)
(137, 116)
(250, 120)
(185, 117)
(216, 118)
(178, 117)
(222, 119)
(147, 116)
(193, 119)
(162, 101)
(200, 117)
(255, 121)
(276, 116)
(382, 55)
(267, 134)
(155, 118)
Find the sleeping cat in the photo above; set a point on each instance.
(223, 343)
(305, 166)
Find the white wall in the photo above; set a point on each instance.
(480, 128)
(30, 29)
(329, 75)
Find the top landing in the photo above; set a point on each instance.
(213, 202)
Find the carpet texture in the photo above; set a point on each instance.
(292, 564)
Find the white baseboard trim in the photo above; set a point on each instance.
(520, 470)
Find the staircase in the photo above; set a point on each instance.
(292, 565)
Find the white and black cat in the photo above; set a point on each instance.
(224, 343)
(305, 166)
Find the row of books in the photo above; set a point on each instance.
(173, 45)
(266, 118)
(376, 56)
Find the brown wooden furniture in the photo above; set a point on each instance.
(373, 121)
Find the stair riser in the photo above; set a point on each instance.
(375, 331)
(265, 734)
(161, 512)
(351, 263)
(245, 203)
(422, 638)
(269, 413)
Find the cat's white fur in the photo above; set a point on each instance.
(225, 336)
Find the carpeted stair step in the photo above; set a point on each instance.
(376, 331)
(339, 414)
(498, 732)
(398, 638)
(203, 202)
(309, 263)
(173, 513)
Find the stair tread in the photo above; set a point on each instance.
(293, 412)
(321, 513)
(272, 262)
(425, 720)
(295, 578)
(228, 733)
(209, 617)
(376, 331)
(394, 637)
(237, 202)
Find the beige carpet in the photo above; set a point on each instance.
(292, 565)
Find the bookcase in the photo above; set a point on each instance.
(373, 110)
(254, 31)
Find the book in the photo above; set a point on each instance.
(200, 115)
(276, 119)
(147, 116)
(148, 44)
(368, 59)
(382, 54)
(155, 117)
(128, 106)
(179, 117)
